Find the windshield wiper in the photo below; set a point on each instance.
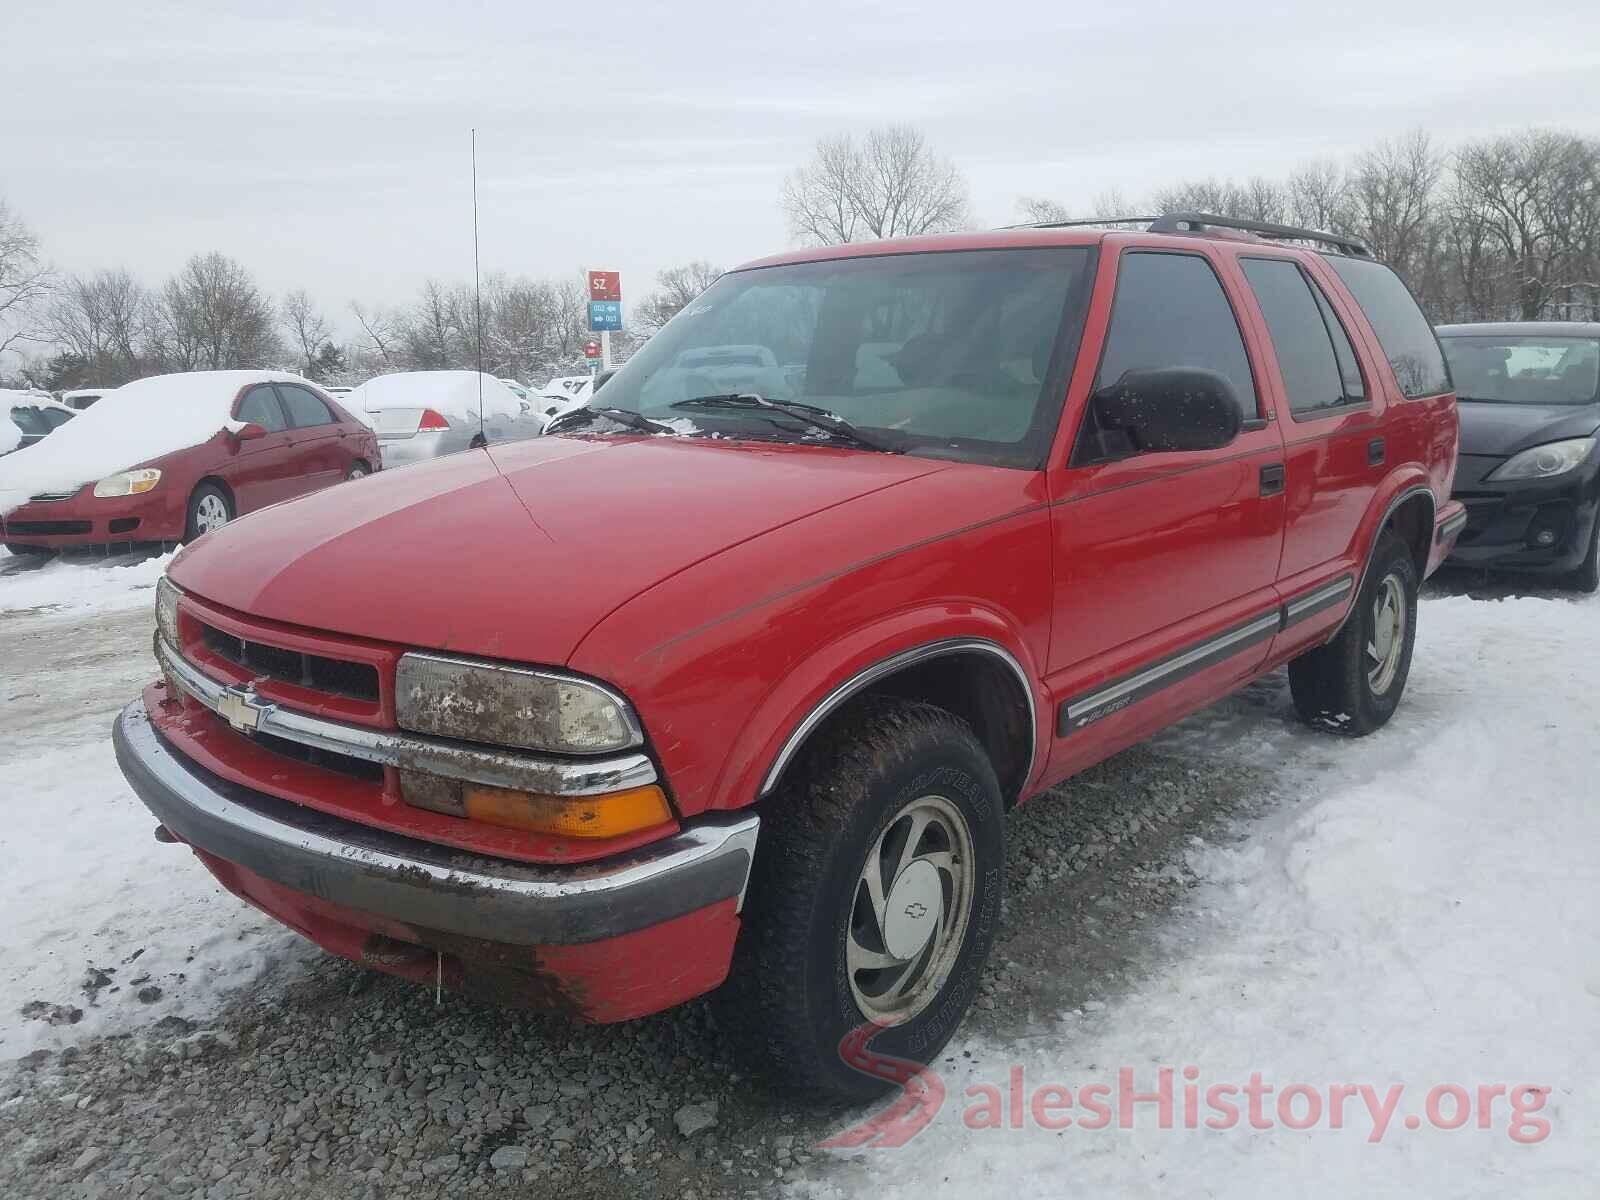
(621, 416)
(810, 414)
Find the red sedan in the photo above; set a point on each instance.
(169, 458)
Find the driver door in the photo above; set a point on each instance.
(1165, 562)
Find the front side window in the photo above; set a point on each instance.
(1524, 369)
(260, 406)
(1170, 311)
(304, 408)
(949, 355)
(55, 417)
(1403, 332)
(28, 419)
(1301, 338)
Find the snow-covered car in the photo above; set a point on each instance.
(419, 415)
(81, 398)
(31, 417)
(171, 457)
(520, 389)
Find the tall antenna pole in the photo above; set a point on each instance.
(477, 287)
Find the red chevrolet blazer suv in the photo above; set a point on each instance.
(729, 682)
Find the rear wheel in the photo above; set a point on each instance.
(1353, 684)
(358, 470)
(209, 508)
(875, 899)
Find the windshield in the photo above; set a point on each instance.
(951, 355)
(1524, 368)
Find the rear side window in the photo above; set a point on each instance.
(1301, 337)
(304, 408)
(27, 419)
(261, 407)
(1402, 330)
(1171, 311)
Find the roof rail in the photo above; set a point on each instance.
(1187, 222)
(1199, 222)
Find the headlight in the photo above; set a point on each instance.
(127, 483)
(167, 611)
(510, 706)
(1544, 462)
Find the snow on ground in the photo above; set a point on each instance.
(1418, 913)
(84, 887)
(76, 585)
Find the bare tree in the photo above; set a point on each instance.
(24, 280)
(385, 329)
(1319, 197)
(1535, 199)
(211, 316)
(889, 184)
(104, 322)
(1392, 196)
(309, 331)
(676, 289)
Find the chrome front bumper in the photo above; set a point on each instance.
(548, 776)
(429, 886)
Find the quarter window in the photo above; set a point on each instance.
(261, 407)
(304, 408)
(1301, 336)
(1403, 332)
(1171, 311)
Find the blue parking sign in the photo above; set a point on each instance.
(605, 314)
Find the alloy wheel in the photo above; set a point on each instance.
(1386, 645)
(912, 905)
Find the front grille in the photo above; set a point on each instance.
(358, 681)
(355, 768)
(48, 527)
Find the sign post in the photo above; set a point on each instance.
(592, 351)
(605, 310)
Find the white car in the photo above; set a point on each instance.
(29, 417)
(419, 415)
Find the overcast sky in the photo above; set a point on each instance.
(331, 150)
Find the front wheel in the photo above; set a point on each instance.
(1352, 685)
(209, 508)
(874, 900)
(1587, 576)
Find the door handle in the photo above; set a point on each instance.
(1272, 477)
(1375, 452)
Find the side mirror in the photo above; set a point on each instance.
(249, 432)
(1167, 408)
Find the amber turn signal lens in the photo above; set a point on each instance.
(605, 816)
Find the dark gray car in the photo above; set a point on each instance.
(1529, 470)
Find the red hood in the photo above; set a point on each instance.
(519, 552)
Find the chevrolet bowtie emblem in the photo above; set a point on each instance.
(241, 708)
(916, 910)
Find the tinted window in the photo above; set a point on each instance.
(1402, 330)
(1171, 311)
(1355, 388)
(55, 417)
(939, 354)
(304, 408)
(1300, 338)
(1524, 368)
(261, 407)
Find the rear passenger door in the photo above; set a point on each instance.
(318, 454)
(1335, 451)
(1166, 561)
(255, 469)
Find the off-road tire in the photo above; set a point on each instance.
(789, 1005)
(1332, 685)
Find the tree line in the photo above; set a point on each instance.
(108, 327)
(1501, 228)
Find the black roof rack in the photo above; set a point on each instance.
(1186, 222)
